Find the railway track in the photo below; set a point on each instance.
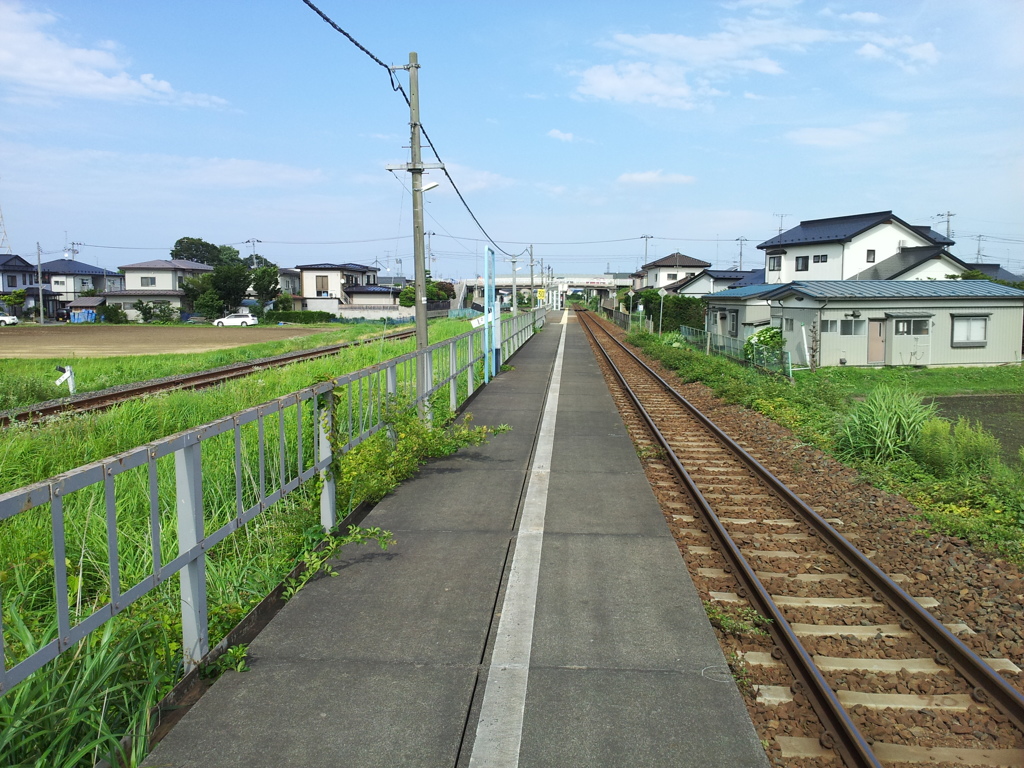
(899, 687)
(98, 401)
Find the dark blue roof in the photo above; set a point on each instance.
(897, 289)
(72, 267)
(753, 277)
(841, 229)
(746, 292)
(997, 272)
(371, 289)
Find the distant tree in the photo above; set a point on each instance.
(265, 284)
(145, 310)
(164, 313)
(16, 298)
(198, 250)
(194, 287)
(255, 261)
(228, 255)
(209, 305)
(445, 288)
(284, 303)
(88, 292)
(111, 313)
(231, 281)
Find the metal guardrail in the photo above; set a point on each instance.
(274, 448)
(773, 361)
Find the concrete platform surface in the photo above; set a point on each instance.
(534, 611)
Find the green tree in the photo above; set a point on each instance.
(89, 292)
(446, 289)
(209, 305)
(284, 303)
(15, 298)
(111, 313)
(194, 287)
(164, 313)
(231, 281)
(145, 310)
(265, 284)
(228, 255)
(198, 250)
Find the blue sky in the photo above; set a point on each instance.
(578, 127)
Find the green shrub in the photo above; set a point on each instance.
(301, 317)
(884, 426)
(946, 448)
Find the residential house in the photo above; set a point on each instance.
(160, 281)
(886, 322)
(738, 312)
(15, 274)
(69, 278)
(324, 286)
(859, 247)
(711, 280)
(290, 281)
(670, 269)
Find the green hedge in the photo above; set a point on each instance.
(304, 318)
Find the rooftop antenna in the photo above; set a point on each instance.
(782, 217)
(5, 244)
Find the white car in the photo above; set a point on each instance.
(6, 319)
(237, 319)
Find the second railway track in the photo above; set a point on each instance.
(894, 686)
(96, 401)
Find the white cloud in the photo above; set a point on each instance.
(35, 63)
(655, 177)
(902, 51)
(863, 17)
(866, 132)
(663, 85)
(472, 179)
(557, 134)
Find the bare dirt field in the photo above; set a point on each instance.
(57, 340)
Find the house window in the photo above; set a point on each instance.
(24, 278)
(820, 258)
(801, 263)
(853, 327)
(789, 323)
(181, 281)
(774, 263)
(12, 281)
(148, 282)
(672, 276)
(351, 280)
(970, 331)
(830, 326)
(734, 322)
(58, 282)
(321, 285)
(371, 279)
(871, 255)
(912, 327)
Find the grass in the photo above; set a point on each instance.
(26, 382)
(875, 420)
(76, 709)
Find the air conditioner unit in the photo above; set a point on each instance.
(332, 295)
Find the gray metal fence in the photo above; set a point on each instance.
(274, 450)
(773, 361)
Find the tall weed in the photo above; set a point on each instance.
(884, 426)
(964, 447)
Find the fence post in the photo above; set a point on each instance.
(470, 365)
(188, 475)
(453, 385)
(328, 494)
(428, 377)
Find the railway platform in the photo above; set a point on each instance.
(533, 611)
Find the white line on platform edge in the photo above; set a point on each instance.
(499, 732)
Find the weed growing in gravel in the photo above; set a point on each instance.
(737, 620)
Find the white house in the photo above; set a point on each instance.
(670, 269)
(324, 286)
(69, 278)
(884, 322)
(711, 280)
(160, 281)
(854, 247)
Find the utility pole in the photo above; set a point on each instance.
(741, 240)
(543, 276)
(39, 280)
(647, 239)
(977, 257)
(5, 244)
(252, 241)
(515, 297)
(533, 293)
(948, 215)
(416, 168)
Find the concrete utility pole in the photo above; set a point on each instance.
(416, 168)
(39, 280)
(533, 293)
(647, 239)
(741, 241)
(515, 296)
(948, 216)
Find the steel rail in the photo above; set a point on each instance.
(98, 401)
(988, 687)
(841, 733)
